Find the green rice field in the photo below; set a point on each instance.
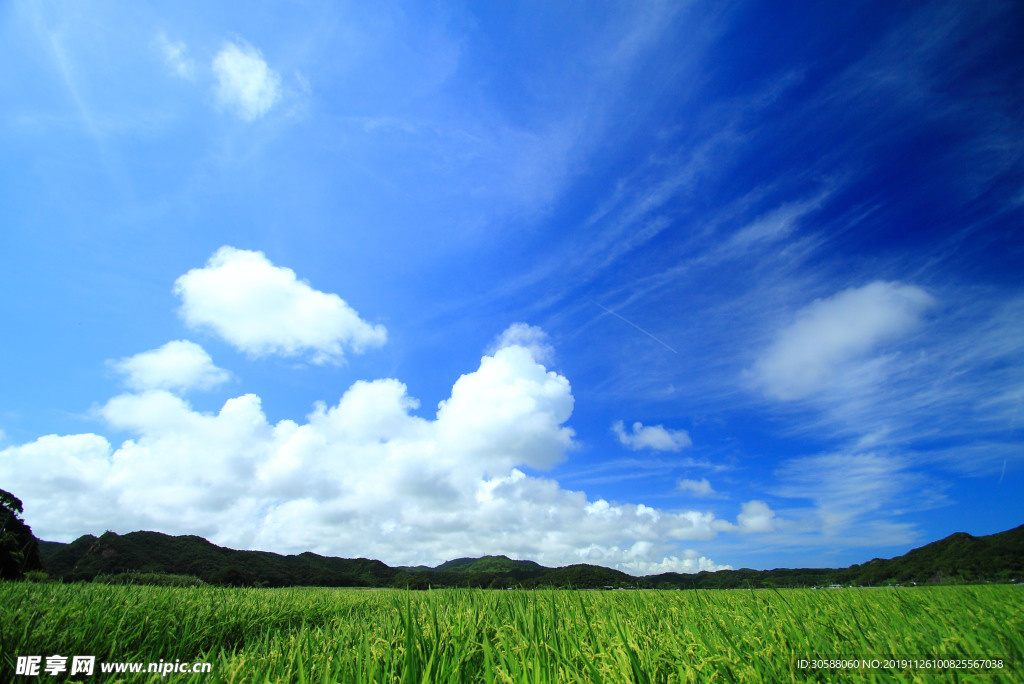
(921, 634)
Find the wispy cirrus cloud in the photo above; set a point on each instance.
(832, 340)
(175, 55)
(860, 496)
(957, 376)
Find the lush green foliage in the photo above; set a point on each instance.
(19, 549)
(330, 635)
(155, 579)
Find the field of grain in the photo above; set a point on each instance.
(331, 635)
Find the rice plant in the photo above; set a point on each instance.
(452, 635)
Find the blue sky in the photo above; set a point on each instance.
(658, 286)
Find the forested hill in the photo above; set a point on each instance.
(495, 564)
(957, 558)
(152, 552)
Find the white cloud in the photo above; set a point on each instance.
(774, 226)
(176, 57)
(530, 337)
(508, 412)
(691, 561)
(699, 487)
(178, 365)
(365, 477)
(756, 516)
(62, 481)
(245, 83)
(651, 437)
(856, 494)
(832, 339)
(264, 309)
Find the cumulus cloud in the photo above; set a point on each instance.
(530, 337)
(508, 412)
(364, 477)
(699, 487)
(178, 365)
(833, 338)
(175, 55)
(58, 476)
(691, 561)
(245, 84)
(264, 309)
(756, 516)
(655, 437)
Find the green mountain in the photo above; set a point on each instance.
(957, 558)
(89, 557)
(960, 558)
(589, 576)
(493, 564)
(153, 552)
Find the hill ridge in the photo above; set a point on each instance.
(959, 557)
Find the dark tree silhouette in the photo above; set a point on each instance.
(19, 549)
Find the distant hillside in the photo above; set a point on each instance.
(583, 575)
(960, 558)
(493, 564)
(152, 552)
(957, 558)
(89, 556)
